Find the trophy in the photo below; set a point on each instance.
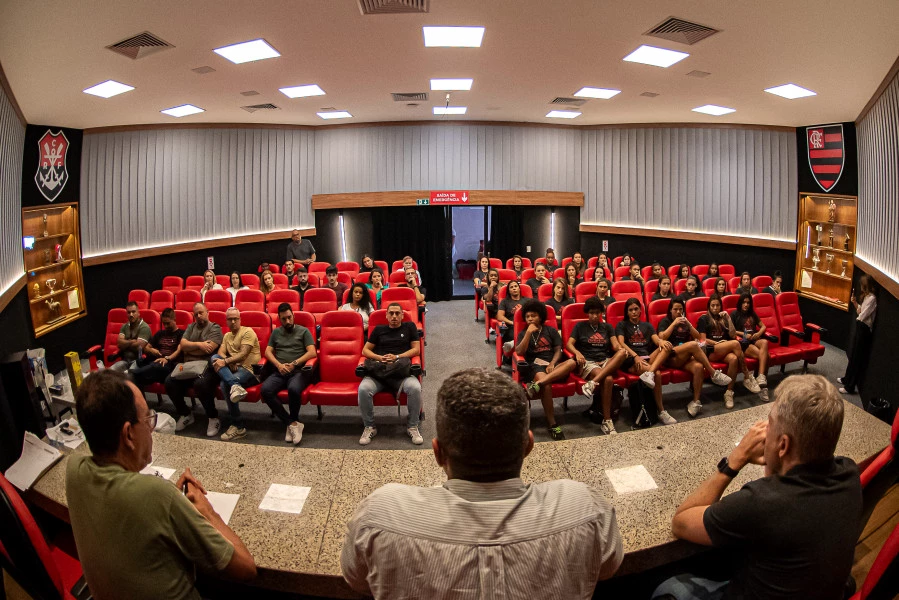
(819, 229)
(45, 232)
(831, 210)
(829, 258)
(54, 307)
(51, 283)
(843, 272)
(59, 257)
(846, 242)
(816, 257)
(830, 237)
(64, 284)
(37, 290)
(47, 260)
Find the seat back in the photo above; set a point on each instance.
(882, 580)
(152, 319)
(679, 286)
(700, 271)
(273, 268)
(185, 300)
(371, 294)
(584, 290)
(621, 272)
(348, 266)
(708, 285)
(363, 277)
(340, 346)
(251, 280)
(730, 302)
(646, 272)
(763, 305)
(565, 261)
(142, 297)
(318, 267)
(114, 321)
(379, 317)
(616, 261)
(658, 310)
(381, 264)
(732, 284)
(344, 278)
(673, 271)
(219, 318)
(319, 301)
(505, 275)
(402, 295)
(622, 290)
(315, 280)
(183, 318)
(172, 283)
(651, 287)
(726, 271)
(250, 300)
(696, 307)
(560, 272)
(571, 316)
(545, 292)
(396, 277)
(614, 313)
(787, 308)
(260, 323)
(281, 281)
(760, 282)
(223, 280)
(525, 263)
(194, 282)
(495, 263)
(592, 261)
(161, 300)
(219, 300)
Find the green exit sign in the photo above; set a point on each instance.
(422, 201)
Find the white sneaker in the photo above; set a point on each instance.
(295, 431)
(649, 378)
(762, 380)
(184, 421)
(588, 388)
(234, 433)
(367, 434)
(694, 408)
(728, 399)
(213, 428)
(492, 331)
(719, 378)
(415, 435)
(666, 419)
(750, 383)
(764, 395)
(608, 427)
(238, 393)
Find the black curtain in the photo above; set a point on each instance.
(422, 232)
(506, 232)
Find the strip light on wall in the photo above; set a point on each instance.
(657, 228)
(552, 229)
(342, 236)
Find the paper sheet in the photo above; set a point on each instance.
(72, 297)
(72, 441)
(36, 458)
(806, 279)
(223, 504)
(163, 472)
(285, 498)
(631, 479)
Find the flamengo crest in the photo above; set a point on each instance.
(52, 175)
(825, 154)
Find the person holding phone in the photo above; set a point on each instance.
(860, 347)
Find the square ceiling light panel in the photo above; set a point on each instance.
(247, 51)
(450, 110)
(335, 114)
(302, 91)
(714, 110)
(592, 92)
(452, 85)
(790, 91)
(453, 37)
(657, 57)
(108, 89)
(183, 110)
(563, 114)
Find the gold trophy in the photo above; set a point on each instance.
(37, 290)
(831, 210)
(830, 237)
(846, 242)
(45, 232)
(816, 258)
(819, 229)
(829, 258)
(843, 272)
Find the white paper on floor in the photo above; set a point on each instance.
(285, 498)
(631, 479)
(223, 504)
(163, 472)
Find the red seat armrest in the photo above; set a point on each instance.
(814, 332)
(95, 353)
(310, 365)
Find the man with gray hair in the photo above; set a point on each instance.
(484, 533)
(794, 529)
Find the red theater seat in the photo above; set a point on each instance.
(318, 301)
(194, 282)
(349, 267)
(249, 300)
(276, 297)
(142, 297)
(584, 290)
(726, 271)
(183, 318)
(804, 336)
(219, 300)
(561, 389)
(318, 267)
(172, 283)
(622, 290)
(339, 351)
(186, 299)
(161, 300)
(761, 282)
(251, 280)
(151, 318)
(779, 354)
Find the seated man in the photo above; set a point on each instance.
(289, 347)
(386, 344)
(139, 536)
(409, 263)
(303, 284)
(484, 532)
(290, 271)
(794, 529)
(132, 337)
(234, 363)
(538, 279)
(338, 287)
(200, 340)
(411, 282)
(300, 250)
(161, 353)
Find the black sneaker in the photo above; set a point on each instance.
(555, 432)
(594, 416)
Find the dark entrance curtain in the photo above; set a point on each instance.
(422, 232)
(506, 232)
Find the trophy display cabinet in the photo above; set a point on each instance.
(52, 255)
(826, 248)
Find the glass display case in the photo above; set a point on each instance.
(825, 253)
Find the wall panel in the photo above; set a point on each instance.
(12, 140)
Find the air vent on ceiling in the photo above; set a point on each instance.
(681, 31)
(249, 93)
(253, 108)
(409, 96)
(568, 101)
(203, 70)
(391, 7)
(649, 94)
(699, 74)
(140, 45)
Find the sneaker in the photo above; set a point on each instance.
(213, 428)
(728, 399)
(492, 331)
(840, 380)
(533, 390)
(607, 427)
(234, 433)
(649, 378)
(719, 378)
(367, 434)
(555, 432)
(693, 408)
(295, 431)
(762, 380)
(184, 421)
(238, 393)
(666, 419)
(593, 416)
(750, 383)
(415, 435)
(845, 391)
(764, 395)
(588, 388)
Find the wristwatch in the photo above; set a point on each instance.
(724, 468)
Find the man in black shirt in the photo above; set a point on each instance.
(161, 353)
(538, 279)
(797, 526)
(303, 284)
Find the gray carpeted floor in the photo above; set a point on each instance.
(455, 342)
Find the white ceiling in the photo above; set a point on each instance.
(533, 51)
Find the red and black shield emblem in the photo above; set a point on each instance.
(52, 175)
(826, 154)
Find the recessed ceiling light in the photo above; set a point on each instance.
(336, 114)
(790, 91)
(592, 92)
(711, 109)
(563, 114)
(450, 110)
(302, 91)
(451, 84)
(657, 57)
(183, 110)
(453, 37)
(247, 51)
(108, 89)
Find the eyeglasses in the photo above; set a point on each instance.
(151, 418)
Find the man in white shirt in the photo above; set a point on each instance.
(483, 534)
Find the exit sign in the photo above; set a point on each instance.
(421, 201)
(449, 197)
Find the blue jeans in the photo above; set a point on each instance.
(295, 383)
(369, 387)
(686, 586)
(243, 377)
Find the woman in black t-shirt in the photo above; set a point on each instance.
(579, 263)
(683, 272)
(634, 274)
(367, 264)
(481, 274)
(560, 299)
(505, 314)
(517, 266)
(746, 286)
(664, 292)
(602, 291)
(751, 333)
(692, 290)
(680, 339)
(721, 288)
(712, 272)
(572, 276)
(489, 292)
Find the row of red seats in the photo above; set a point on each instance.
(175, 284)
(348, 266)
(727, 271)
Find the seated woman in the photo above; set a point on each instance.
(376, 282)
(560, 299)
(598, 355)
(508, 306)
(692, 290)
(602, 291)
(571, 275)
(776, 281)
(626, 259)
(602, 265)
(751, 333)
(517, 266)
(665, 292)
(746, 286)
(481, 274)
(717, 332)
(644, 355)
(359, 301)
(266, 283)
(680, 339)
(634, 274)
(209, 283)
(712, 272)
(577, 259)
(657, 270)
(721, 288)
(489, 292)
(541, 347)
(236, 284)
(683, 272)
(367, 264)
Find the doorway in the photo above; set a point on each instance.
(470, 235)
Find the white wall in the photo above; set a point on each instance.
(12, 140)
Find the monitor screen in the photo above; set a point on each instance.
(28, 242)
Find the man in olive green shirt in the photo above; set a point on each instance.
(133, 336)
(138, 536)
(234, 363)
